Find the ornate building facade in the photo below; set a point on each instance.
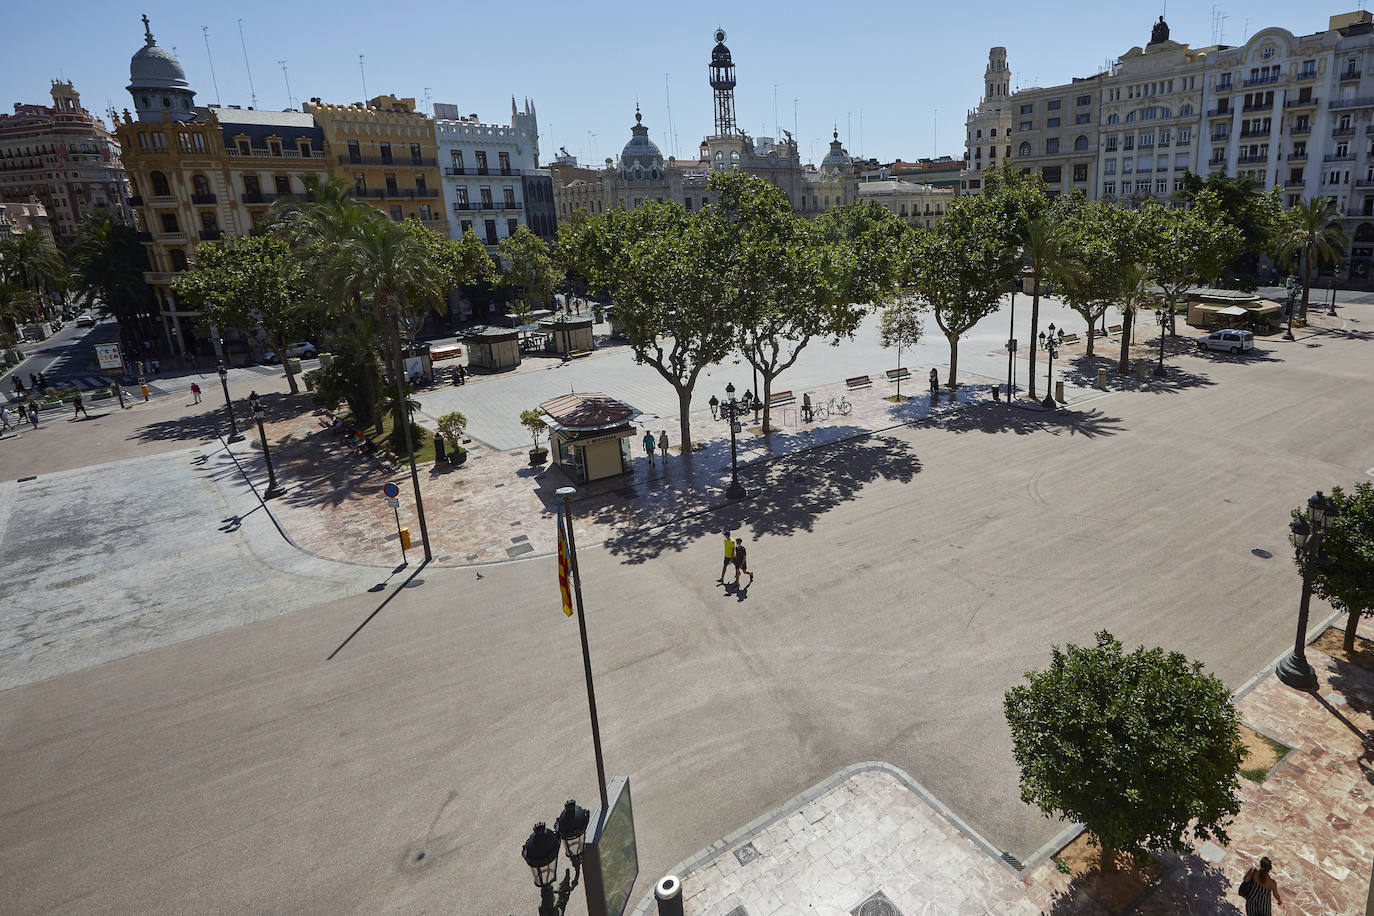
(988, 126)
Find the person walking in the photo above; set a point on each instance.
(807, 410)
(663, 445)
(42, 382)
(4, 419)
(729, 556)
(742, 561)
(649, 445)
(18, 385)
(195, 393)
(78, 408)
(1264, 891)
(934, 384)
(33, 381)
(33, 415)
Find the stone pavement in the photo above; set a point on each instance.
(871, 841)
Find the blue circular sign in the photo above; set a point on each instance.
(391, 490)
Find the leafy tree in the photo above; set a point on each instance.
(354, 378)
(872, 235)
(1185, 248)
(1310, 234)
(786, 286)
(665, 269)
(31, 261)
(533, 421)
(899, 328)
(1142, 749)
(1346, 578)
(1086, 269)
(1134, 291)
(1256, 216)
(452, 426)
(528, 266)
(108, 262)
(1021, 208)
(251, 282)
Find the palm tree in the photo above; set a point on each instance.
(108, 262)
(1134, 291)
(32, 261)
(1043, 251)
(1314, 234)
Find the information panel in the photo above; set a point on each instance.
(108, 356)
(611, 861)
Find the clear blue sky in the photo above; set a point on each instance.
(886, 74)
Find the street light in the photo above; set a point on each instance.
(715, 407)
(540, 853)
(1307, 541)
(273, 491)
(1162, 318)
(1292, 305)
(731, 409)
(1050, 343)
(1331, 287)
(234, 434)
(1016, 286)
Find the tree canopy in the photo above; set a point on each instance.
(108, 262)
(1345, 578)
(1310, 234)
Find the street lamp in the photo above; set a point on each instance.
(1016, 287)
(1050, 343)
(273, 491)
(1307, 541)
(1162, 318)
(1292, 305)
(234, 434)
(715, 407)
(540, 853)
(1331, 287)
(731, 409)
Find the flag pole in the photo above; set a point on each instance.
(567, 494)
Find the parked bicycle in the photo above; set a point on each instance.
(834, 406)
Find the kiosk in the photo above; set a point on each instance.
(568, 333)
(590, 435)
(493, 348)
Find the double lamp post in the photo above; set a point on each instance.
(1307, 535)
(732, 409)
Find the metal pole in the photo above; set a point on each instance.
(404, 412)
(1011, 335)
(735, 491)
(1049, 373)
(567, 494)
(234, 434)
(399, 539)
(272, 489)
(1159, 316)
(1295, 670)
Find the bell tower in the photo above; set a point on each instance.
(997, 77)
(723, 82)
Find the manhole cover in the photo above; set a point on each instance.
(520, 540)
(519, 549)
(746, 853)
(738, 911)
(877, 905)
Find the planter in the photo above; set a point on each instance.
(539, 455)
(457, 456)
(49, 405)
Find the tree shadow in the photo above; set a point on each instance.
(1082, 373)
(1190, 884)
(213, 419)
(1005, 418)
(1356, 685)
(785, 495)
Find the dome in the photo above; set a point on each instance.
(641, 158)
(154, 68)
(837, 158)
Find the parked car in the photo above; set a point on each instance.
(303, 349)
(1230, 341)
(85, 321)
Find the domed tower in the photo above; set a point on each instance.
(158, 84)
(837, 160)
(997, 77)
(641, 159)
(723, 82)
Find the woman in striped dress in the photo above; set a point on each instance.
(1258, 903)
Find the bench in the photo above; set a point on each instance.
(1099, 332)
(857, 382)
(1069, 339)
(575, 354)
(781, 399)
(1114, 329)
(898, 375)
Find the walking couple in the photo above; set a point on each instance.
(735, 555)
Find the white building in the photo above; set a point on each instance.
(989, 125)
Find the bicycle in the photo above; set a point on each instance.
(840, 406)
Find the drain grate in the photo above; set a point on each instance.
(520, 540)
(876, 905)
(519, 550)
(1012, 861)
(746, 853)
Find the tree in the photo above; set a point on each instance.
(108, 262)
(533, 421)
(452, 425)
(1086, 269)
(1256, 216)
(1311, 234)
(32, 262)
(665, 270)
(900, 328)
(251, 282)
(1185, 248)
(528, 265)
(1019, 206)
(1134, 291)
(786, 286)
(1142, 749)
(1346, 578)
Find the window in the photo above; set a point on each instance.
(415, 157)
(512, 226)
(1111, 144)
(178, 259)
(509, 196)
(1267, 53)
(1130, 117)
(1024, 149)
(160, 186)
(199, 185)
(1084, 100)
(208, 222)
(1025, 125)
(274, 147)
(391, 186)
(992, 152)
(1080, 172)
(1113, 119)
(1185, 134)
(243, 147)
(421, 186)
(1109, 188)
(1082, 119)
(1142, 186)
(304, 147)
(1027, 109)
(1128, 143)
(426, 212)
(486, 198)
(504, 159)
(1080, 143)
(283, 184)
(359, 183)
(490, 227)
(169, 223)
(457, 161)
(1161, 185)
(386, 152)
(994, 132)
(1185, 111)
(1109, 167)
(395, 211)
(467, 226)
(1127, 165)
(481, 162)
(354, 154)
(1052, 145)
(979, 134)
(1147, 139)
(1054, 105)
(251, 186)
(1051, 174)
(1052, 122)
(463, 197)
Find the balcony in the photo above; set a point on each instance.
(1343, 132)
(1295, 183)
(1303, 103)
(1145, 145)
(1339, 157)
(1186, 141)
(1300, 130)
(1261, 80)
(395, 193)
(1163, 144)
(260, 197)
(470, 170)
(1224, 86)
(283, 153)
(1220, 138)
(1366, 101)
(1146, 170)
(1252, 159)
(136, 201)
(402, 161)
(1216, 163)
(1364, 182)
(171, 238)
(204, 199)
(1220, 112)
(1305, 75)
(1255, 132)
(211, 235)
(467, 206)
(1298, 157)
(1258, 106)
(1349, 75)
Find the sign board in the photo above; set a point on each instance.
(393, 502)
(610, 862)
(604, 437)
(108, 356)
(391, 490)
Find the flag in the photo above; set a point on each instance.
(563, 564)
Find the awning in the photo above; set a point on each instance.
(1234, 311)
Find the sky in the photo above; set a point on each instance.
(896, 79)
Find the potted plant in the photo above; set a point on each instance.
(451, 427)
(534, 422)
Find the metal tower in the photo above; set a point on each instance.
(723, 82)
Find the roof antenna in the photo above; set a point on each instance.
(252, 93)
(205, 30)
(290, 99)
(363, 71)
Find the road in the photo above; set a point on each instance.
(904, 583)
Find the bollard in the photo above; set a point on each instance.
(668, 893)
(1102, 379)
(997, 393)
(1059, 392)
(1140, 369)
(405, 538)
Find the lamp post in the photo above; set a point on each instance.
(273, 491)
(731, 409)
(1331, 288)
(1307, 541)
(540, 853)
(715, 407)
(1292, 305)
(1162, 319)
(1016, 287)
(234, 434)
(1050, 343)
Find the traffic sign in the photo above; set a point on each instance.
(392, 491)
(393, 502)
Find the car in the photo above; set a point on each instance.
(1230, 340)
(85, 321)
(303, 349)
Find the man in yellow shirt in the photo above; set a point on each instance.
(729, 556)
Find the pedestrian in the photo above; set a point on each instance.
(33, 415)
(195, 393)
(663, 445)
(33, 381)
(729, 556)
(807, 411)
(462, 375)
(1263, 887)
(934, 384)
(78, 408)
(742, 561)
(18, 385)
(649, 445)
(157, 367)
(42, 382)
(4, 418)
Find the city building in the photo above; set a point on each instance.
(939, 172)
(988, 126)
(197, 173)
(919, 205)
(17, 218)
(1055, 132)
(491, 177)
(62, 155)
(388, 152)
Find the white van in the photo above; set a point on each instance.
(1231, 341)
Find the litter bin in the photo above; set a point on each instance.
(668, 893)
(326, 360)
(1059, 392)
(405, 538)
(293, 365)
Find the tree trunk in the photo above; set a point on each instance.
(1306, 286)
(1106, 859)
(1035, 326)
(1127, 320)
(1092, 324)
(1351, 622)
(953, 360)
(280, 344)
(684, 407)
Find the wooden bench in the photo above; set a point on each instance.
(1069, 339)
(857, 382)
(1114, 329)
(327, 421)
(898, 375)
(1099, 332)
(575, 354)
(781, 399)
